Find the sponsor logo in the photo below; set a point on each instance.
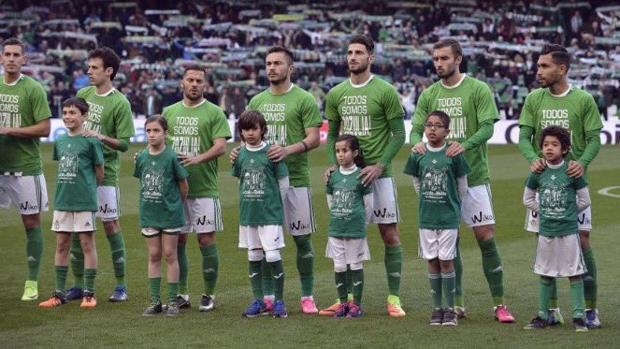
(384, 213)
(253, 275)
(27, 206)
(357, 283)
(308, 255)
(31, 259)
(497, 270)
(298, 225)
(394, 275)
(107, 209)
(278, 276)
(119, 260)
(209, 270)
(481, 218)
(204, 221)
(340, 284)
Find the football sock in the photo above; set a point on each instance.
(154, 286)
(544, 293)
(210, 266)
(173, 290)
(89, 280)
(447, 283)
(255, 271)
(341, 285)
(492, 266)
(357, 278)
(553, 300)
(278, 279)
(435, 280)
(183, 267)
(393, 264)
(117, 247)
(61, 278)
(34, 251)
(577, 299)
(589, 279)
(458, 272)
(77, 261)
(305, 263)
(267, 277)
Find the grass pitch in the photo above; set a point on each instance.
(23, 324)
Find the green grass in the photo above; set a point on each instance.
(121, 325)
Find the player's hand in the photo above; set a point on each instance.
(91, 133)
(234, 153)
(454, 149)
(369, 173)
(419, 148)
(187, 160)
(575, 169)
(328, 173)
(4, 130)
(537, 166)
(276, 153)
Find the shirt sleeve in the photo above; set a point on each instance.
(180, 172)
(526, 136)
(460, 166)
(331, 107)
(137, 171)
(97, 152)
(527, 113)
(486, 108)
(123, 119)
(55, 152)
(397, 139)
(311, 116)
(40, 107)
(484, 133)
(220, 128)
(411, 166)
(417, 123)
(392, 107)
(281, 170)
(532, 181)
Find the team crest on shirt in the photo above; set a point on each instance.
(434, 184)
(152, 183)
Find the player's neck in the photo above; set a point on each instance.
(437, 144)
(104, 88)
(452, 79)
(192, 103)
(156, 149)
(281, 88)
(358, 79)
(559, 88)
(10, 78)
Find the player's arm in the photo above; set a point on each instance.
(417, 125)
(99, 173)
(397, 139)
(592, 126)
(484, 133)
(416, 184)
(368, 206)
(583, 199)
(218, 149)
(40, 129)
(331, 113)
(311, 141)
(183, 188)
(526, 134)
(462, 186)
(120, 144)
(97, 155)
(529, 199)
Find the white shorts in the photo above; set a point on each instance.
(584, 220)
(298, 213)
(26, 193)
(202, 215)
(477, 206)
(152, 232)
(385, 201)
(261, 237)
(74, 222)
(347, 250)
(559, 256)
(108, 200)
(437, 243)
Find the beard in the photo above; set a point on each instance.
(362, 67)
(447, 73)
(278, 79)
(193, 97)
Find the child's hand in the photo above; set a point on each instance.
(234, 153)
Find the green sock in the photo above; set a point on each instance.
(117, 246)
(77, 261)
(61, 278)
(553, 300)
(267, 277)
(349, 284)
(256, 281)
(183, 267)
(154, 286)
(210, 266)
(544, 293)
(492, 266)
(447, 283)
(278, 279)
(577, 299)
(357, 278)
(89, 280)
(589, 279)
(341, 285)
(459, 299)
(305, 263)
(393, 264)
(34, 251)
(173, 290)
(435, 280)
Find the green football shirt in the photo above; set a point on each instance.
(109, 115)
(438, 176)
(576, 111)
(469, 104)
(76, 181)
(347, 216)
(288, 115)
(557, 194)
(364, 111)
(259, 191)
(22, 104)
(192, 131)
(161, 205)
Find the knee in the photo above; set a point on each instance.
(255, 255)
(584, 239)
(111, 227)
(389, 234)
(154, 256)
(87, 245)
(206, 239)
(484, 232)
(31, 221)
(340, 266)
(272, 256)
(171, 255)
(62, 246)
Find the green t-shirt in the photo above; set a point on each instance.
(438, 176)
(576, 112)
(192, 131)
(288, 116)
(76, 181)
(22, 104)
(347, 216)
(259, 191)
(109, 115)
(364, 111)
(468, 104)
(557, 193)
(161, 205)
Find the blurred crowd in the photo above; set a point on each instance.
(156, 39)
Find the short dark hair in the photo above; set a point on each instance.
(559, 54)
(109, 58)
(354, 144)
(451, 43)
(562, 134)
(248, 121)
(158, 119)
(77, 102)
(364, 40)
(445, 119)
(281, 49)
(195, 67)
(14, 42)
